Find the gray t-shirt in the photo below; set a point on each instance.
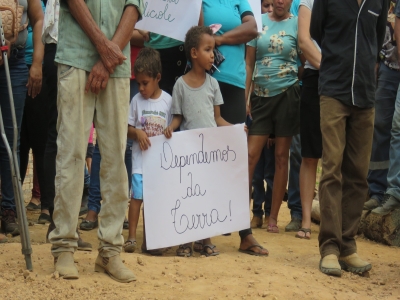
(196, 104)
(309, 5)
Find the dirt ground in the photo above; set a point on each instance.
(290, 271)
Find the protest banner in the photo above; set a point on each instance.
(256, 8)
(195, 185)
(172, 18)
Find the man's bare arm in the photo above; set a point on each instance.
(124, 31)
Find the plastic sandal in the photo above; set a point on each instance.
(273, 228)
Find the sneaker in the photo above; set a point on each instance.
(371, 204)
(389, 204)
(330, 265)
(114, 267)
(9, 222)
(256, 222)
(294, 225)
(353, 263)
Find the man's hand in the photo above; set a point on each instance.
(34, 80)
(8, 53)
(98, 78)
(111, 55)
(143, 140)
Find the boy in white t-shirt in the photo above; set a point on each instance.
(149, 115)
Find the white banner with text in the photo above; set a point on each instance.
(195, 185)
(172, 18)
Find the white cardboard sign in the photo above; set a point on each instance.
(256, 8)
(172, 18)
(195, 185)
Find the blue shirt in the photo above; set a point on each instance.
(29, 42)
(229, 14)
(294, 9)
(276, 56)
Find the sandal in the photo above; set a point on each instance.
(249, 250)
(273, 228)
(130, 246)
(181, 251)
(208, 250)
(198, 246)
(305, 230)
(33, 207)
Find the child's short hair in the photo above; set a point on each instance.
(193, 37)
(148, 62)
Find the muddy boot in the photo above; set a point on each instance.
(330, 265)
(353, 263)
(9, 222)
(293, 226)
(115, 268)
(65, 265)
(256, 222)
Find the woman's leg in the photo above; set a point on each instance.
(308, 172)
(282, 145)
(133, 217)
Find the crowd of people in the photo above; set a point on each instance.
(308, 84)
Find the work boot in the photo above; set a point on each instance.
(9, 222)
(353, 263)
(294, 225)
(256, 222)
(65, 265)
(389, 204)
(371, 204)
(330, 265)
(114, 267)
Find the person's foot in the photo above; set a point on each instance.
(34, 204)
(294, 225)
(65, 265)
(256, 222)
(389, 204)
(44, 218)
(3, 239)
(265, 224)
(250, 245)
(198, 246)
(115, 268)
(353, 263)
(329, 265)
(304, 233)
(90, 222)
(130, 246)
(371, 204)
(9, 222)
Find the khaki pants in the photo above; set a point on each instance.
(346, 142)
(76, 111)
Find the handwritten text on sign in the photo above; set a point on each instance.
(171, 18)
(195, 185)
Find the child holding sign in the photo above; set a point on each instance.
(196, 102)
(149, 115)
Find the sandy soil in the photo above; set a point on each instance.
(290, 272)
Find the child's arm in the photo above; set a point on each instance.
(175, 123)
(218, 119)
(140, 136)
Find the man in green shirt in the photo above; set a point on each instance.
(93, 86)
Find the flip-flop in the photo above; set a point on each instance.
(130, 246)
(206, 253)
(273, 228)
(182, 253)
(250, 252)
(198, 249)
(305, 230)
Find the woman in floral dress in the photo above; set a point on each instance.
(273, 59)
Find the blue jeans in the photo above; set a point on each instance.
(19, 79)
(265, 170)
(294, 202)
(393, 177)
(87, 177)
(388, 82)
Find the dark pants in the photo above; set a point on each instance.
(346, 150)
(50, 77)
(34, 134)
(19, 79)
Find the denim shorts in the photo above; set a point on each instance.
(137, 186)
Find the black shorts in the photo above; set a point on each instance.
(310, 128)
(277, 115)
